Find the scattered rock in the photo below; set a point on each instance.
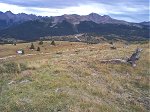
(94, 74)
(25, 100)
(113, 48)
(11, 82)
(145, 102)
(25, 81)
(26, 73)
(58, 90)
(59, 53)
(77, 51)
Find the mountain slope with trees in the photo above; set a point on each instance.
(31, 27)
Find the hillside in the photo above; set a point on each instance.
(69, 77)
(33, 30)
(30, 27)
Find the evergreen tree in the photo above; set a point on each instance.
(111, 43)
(53, 43)
(41, 42)
(23, 52)
(14, 43)
(38, 49)
(32, 46)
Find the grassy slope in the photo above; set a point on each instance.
(72, 79)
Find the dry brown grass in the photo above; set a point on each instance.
(71, 79)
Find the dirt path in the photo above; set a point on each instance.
(25, 55)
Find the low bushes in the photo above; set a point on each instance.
(12, 67)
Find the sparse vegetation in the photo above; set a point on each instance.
(11, 67)
(70, 78)
(14, 43)
(32, 46)
(113, 47)
(38, 49)
(41, 42)
(23, 52)
(53, 43)
(23, 67)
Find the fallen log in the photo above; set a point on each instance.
(134, 57)
(132, 60)
(115, 61)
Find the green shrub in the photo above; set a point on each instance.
(41, 43)
(2, 69)
(38, 49)
(53, 43)
(23, 67)
(32, 46)
(11, 67)
(23, 52)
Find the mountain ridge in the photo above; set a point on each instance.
(11, 18)
(8, 19)
(31, 27)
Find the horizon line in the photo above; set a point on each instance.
(70, 14)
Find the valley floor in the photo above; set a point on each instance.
(70, 77)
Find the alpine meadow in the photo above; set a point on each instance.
(74, 56)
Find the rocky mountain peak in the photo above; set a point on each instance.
(106, 17)
(94, 14)
(10, 14)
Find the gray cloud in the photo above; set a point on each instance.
(135, 10)
(67, 3)
(45, 3)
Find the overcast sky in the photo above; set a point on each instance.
(129, 10)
